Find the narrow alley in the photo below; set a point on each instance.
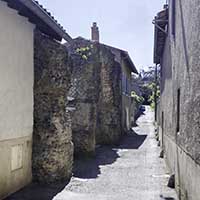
(133, 170)
(103, 106)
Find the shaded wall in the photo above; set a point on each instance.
(52, 138)
(110, 100)
(182, 73)
(127, 102)
(96, 93)
(84, 92)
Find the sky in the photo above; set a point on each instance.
(123, 24)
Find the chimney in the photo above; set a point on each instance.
(95, 32)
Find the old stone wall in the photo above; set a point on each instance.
(110, 100)
(181, 72)
(52, 137)
(84, 92)
(96, 93)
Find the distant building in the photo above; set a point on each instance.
(127, 66)
(101, 87)
(18, 20)
(177, 50)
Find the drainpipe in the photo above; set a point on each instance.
(155, 91)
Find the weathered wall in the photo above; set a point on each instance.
(16, 100)
(110, 100)
(127, 106)
(85, 92)
(182, 148)
(52, 138)
(96, 88)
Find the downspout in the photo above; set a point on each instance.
(155, 91)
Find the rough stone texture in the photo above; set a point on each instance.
(85, 92)
(109, 105)
(52, 140)
(95, 88)
(180, 70)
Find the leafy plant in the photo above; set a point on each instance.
(152, 97)
(138, 99)
(84, 52)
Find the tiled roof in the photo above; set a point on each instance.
(49, 14)
(40, 16)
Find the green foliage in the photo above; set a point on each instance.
(84, 57)
(84, 52)
(138, 99)
(151, 86)
(82, 49)
(149, 82)
(152, 97)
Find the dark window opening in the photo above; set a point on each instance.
(178, 110)
(162, 126)
(162, 123)
(125, 85)
(173, 10)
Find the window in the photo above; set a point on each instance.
(125, 84)
(173, 11)
(162, 122)
(162, 126)
(178, 110)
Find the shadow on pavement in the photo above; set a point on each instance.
(137, 116)
(86, 168)
(105, 155)
(132, 141)
(90, 167)
(38, 192)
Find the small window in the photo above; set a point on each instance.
(125, 84)
(162, 123)
(178, 111)
(173, 10)
(162, 126)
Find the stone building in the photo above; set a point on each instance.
(52, 138)
(18, 19)
(101, 80)
(177, 50)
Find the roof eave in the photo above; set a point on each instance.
(159, 35)
(37, 10)
(126, 57)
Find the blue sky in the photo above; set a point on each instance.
(124, 24)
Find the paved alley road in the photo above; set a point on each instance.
(131, 171)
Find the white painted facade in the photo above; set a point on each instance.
(16, 99)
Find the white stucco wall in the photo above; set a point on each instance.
(16, 100)
(16, 74)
